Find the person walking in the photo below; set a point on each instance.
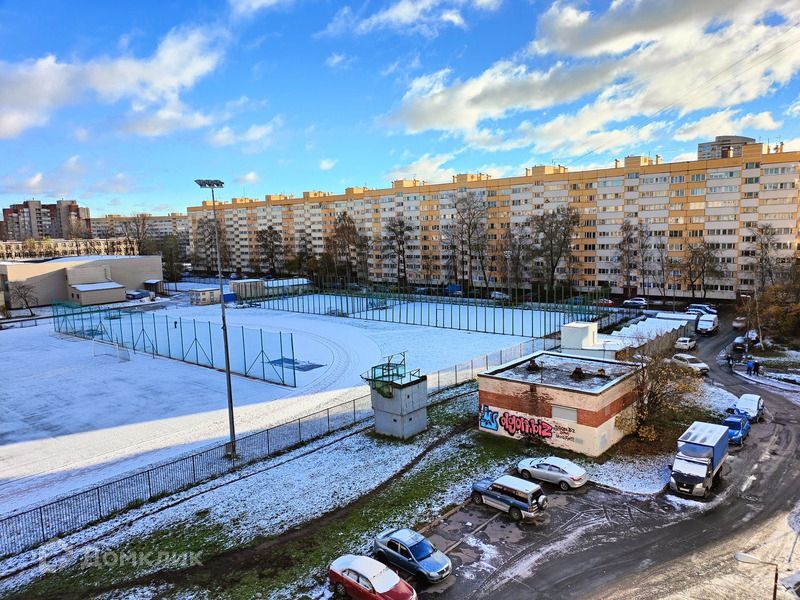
(750, 366)
(730, 363)
(756, 368)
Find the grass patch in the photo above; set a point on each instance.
(410, 501)
(104, 569)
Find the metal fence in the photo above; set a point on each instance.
(264, 355)
(72, 513)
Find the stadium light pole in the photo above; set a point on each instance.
(749, 559)
(213, 184)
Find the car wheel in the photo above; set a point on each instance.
(526, 474)
(339, 591)
(563, 485)
(515, 513)
(379, 555)
(477, 498)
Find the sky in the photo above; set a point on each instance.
(122, 105)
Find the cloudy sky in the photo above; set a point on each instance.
(123, 105)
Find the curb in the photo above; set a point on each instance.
(784, 387)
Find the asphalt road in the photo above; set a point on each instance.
(616, 557)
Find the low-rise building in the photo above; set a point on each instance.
(564, 401)
(45, 248)
(79, 279)
(203, 296)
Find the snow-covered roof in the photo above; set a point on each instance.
(93, 287)
(235, 281)
(287, 282)
(153, 281)
(648, 329)
(89, 257)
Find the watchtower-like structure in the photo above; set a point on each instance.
(399, 397)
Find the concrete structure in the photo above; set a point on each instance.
(682, 204)
(248, 289)
(157, 227)
(80, 279)
(565, 401)
(45, 248)
(203, 296)
(646, 336)
(723, 146)
(399, 398)
(34, 220)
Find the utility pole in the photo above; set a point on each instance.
(216, 184)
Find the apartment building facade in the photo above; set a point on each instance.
(16, 250)
(34, 220)
(156, 227)
(719, 201)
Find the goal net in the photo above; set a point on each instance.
(111, 349)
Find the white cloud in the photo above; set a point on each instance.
(724, 122)
(118, 183)
(685, 156)
(253, 139)
(628, 68)
(326, 164)
(30, 91)
(792, 144)
(246, 8)
(64, 180)
(425, 17)
(337, 60)
(249, 177)
(497, 171)
(81, 134)
(171, 117)
(428, 167)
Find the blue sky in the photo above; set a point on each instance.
(123, 105)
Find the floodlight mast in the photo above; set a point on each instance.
(213, 184)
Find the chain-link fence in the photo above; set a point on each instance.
(264, 355)
(74, 512)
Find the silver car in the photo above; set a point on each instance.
(564, 473)
(412, 552)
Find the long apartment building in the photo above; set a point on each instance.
(157, 227)
(718, 201)
(33, 220)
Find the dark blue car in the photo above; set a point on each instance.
(738, 428)
(521, 499)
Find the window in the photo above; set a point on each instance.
(677, 179)
(752, 165)
(565, 413)
(698, 177)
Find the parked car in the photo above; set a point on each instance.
(706, 308)
(694, 311)
(412, 552)
(751, 405)
(685, 343)
(564, 473)
(738, 429)
(364, 577)
(691, 362)
(635, 303)
(707, 325)
(603, 302)
(519, 498)
(136, 294)
(421, 290)
(739, 344)
(495, 295)
(739, 323)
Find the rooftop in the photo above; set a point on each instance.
(92, 287)
(565, 371)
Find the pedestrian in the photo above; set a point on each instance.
(175, 326)
(730, 363)
(756, 368)
(750, 366)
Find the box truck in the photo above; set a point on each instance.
(702, 450)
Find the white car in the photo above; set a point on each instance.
(499, 296)
(691, 362)
(705, 308)
(564, 473)
(685, 343)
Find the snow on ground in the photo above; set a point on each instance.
(714, 398)
(85, 419)
(636, 475)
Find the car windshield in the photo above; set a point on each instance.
(689, 468)
(735, 424)
(422, 550)
(694, 361)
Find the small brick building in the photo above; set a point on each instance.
(567, 401)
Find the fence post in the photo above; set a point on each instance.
(99, 506)
(41, 524)
(149, 485)
(194, 469)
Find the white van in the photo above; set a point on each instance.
(707, 324)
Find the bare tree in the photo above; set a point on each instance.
(270, 247)
(701, 264)
(764, 261)
(515, 247)
(627, 257)
(394, 240)
(138, 228)
(348, 247)
(205, 252)
(552, 240)
(466, 238)
(23, 294)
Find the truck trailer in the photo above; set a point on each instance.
(702, 450)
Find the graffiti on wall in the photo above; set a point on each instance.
(512, 424)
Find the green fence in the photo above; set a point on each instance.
(264, 355)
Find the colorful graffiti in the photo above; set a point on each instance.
(514, 424)
(488, 418)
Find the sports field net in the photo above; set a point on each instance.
(264, 355)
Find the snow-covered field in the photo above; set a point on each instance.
(73, 419)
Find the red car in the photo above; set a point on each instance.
(603, 302)
(361, 577)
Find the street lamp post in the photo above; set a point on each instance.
(753, 560)
(213, 184)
